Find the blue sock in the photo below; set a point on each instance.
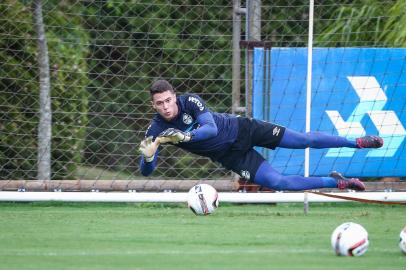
(296, 140)
(268, 177)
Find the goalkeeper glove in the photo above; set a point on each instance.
(148, 148)
(174, 135)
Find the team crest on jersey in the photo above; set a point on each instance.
(187, 119)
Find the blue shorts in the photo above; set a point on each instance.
(242, 158)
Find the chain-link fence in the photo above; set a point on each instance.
(104, 55)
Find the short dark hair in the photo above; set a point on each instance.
(161, 86)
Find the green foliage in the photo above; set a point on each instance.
(68, 51)
(20, 94)
(366, 23)
(394, 30)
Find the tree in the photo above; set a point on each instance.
(19, 95)
(45, 119)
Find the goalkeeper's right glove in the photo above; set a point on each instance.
(148, 148)
(174, 136)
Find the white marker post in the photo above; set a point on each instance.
(308, 96)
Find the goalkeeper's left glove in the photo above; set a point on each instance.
(174, 136)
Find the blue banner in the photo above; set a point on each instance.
(355, 91)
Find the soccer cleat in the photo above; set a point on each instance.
(369, 142)
(347, 183)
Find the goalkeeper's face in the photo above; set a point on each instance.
(165, 104)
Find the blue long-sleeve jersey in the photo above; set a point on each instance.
(212, 133)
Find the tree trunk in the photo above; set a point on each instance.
(45, 121)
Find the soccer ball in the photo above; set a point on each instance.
(402, 241)
(202, 199)
(350, 239)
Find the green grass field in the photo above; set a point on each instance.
(157, 236)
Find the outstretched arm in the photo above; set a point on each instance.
(207, 130)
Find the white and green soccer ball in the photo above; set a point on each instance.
(350, 239)
(203, 199)
(402, 241)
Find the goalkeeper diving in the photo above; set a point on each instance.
(186, 122)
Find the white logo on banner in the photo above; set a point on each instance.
(372, 101)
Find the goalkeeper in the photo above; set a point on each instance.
(186, 122)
